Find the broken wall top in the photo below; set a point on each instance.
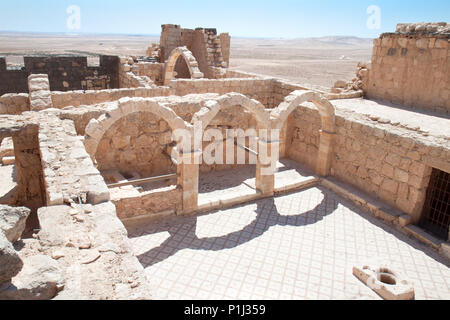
(418, 30)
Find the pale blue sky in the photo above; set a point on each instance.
(250, 18)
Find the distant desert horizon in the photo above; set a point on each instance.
(316, 61)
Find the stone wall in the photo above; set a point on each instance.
(303, 136)
(199, 50)
(148, 203)
(170, 39)
(225, 41)
(85, 245)
(211, 51)
(24, 133)
(134, 74)
(378, 158)
(258, 89)
(139, 142)
(411, 68)
(65, 73)
(231, 117)
(69, 174)
(270, 92)
(150, 69)
(79, 98)
(14, 104)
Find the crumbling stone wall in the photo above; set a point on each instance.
(209, 49)
(130, 75)
(259, 89)
(271, 92)
(171, 38)
(65, 73)
(150, 69)
(24, 134)
(411, 68)
(12, 81)
(225, 41)
(29, 168)
(69, 174)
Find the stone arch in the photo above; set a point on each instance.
(190, 61)
(212, 108)
(97, 128)
(202, 119)
(279, 116)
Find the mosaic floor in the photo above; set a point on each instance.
(297, 246)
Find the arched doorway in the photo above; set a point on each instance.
(132, 146)
(182, 61)
(318, 135)
(230, 126)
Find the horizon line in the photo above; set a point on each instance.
(158, 35)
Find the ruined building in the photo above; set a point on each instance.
(88, 149)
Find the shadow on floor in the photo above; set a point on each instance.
(267, 216)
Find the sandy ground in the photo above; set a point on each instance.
(317, 62)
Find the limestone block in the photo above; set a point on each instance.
(97, 191)
(390, 186)
(93, 129)
(401, 175)
(38, 82)
(121, 142)
(10, 262)
(12, 221)
(387, 170)
(422, 43)
(40, 279)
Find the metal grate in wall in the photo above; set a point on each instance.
(436, 214)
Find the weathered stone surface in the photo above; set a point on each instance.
(40, 279)
(105, 263)
(408, 67)
(388, 284)
(12, 221)
(10, 262)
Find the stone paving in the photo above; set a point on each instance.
(431, 122)
(296, 246)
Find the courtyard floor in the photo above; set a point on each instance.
(301, 245)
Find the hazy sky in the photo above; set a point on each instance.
(250, 18)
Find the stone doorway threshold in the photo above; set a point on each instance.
(220, 189)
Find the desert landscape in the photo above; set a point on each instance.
(315, 62)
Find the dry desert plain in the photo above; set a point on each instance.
(317, 62)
